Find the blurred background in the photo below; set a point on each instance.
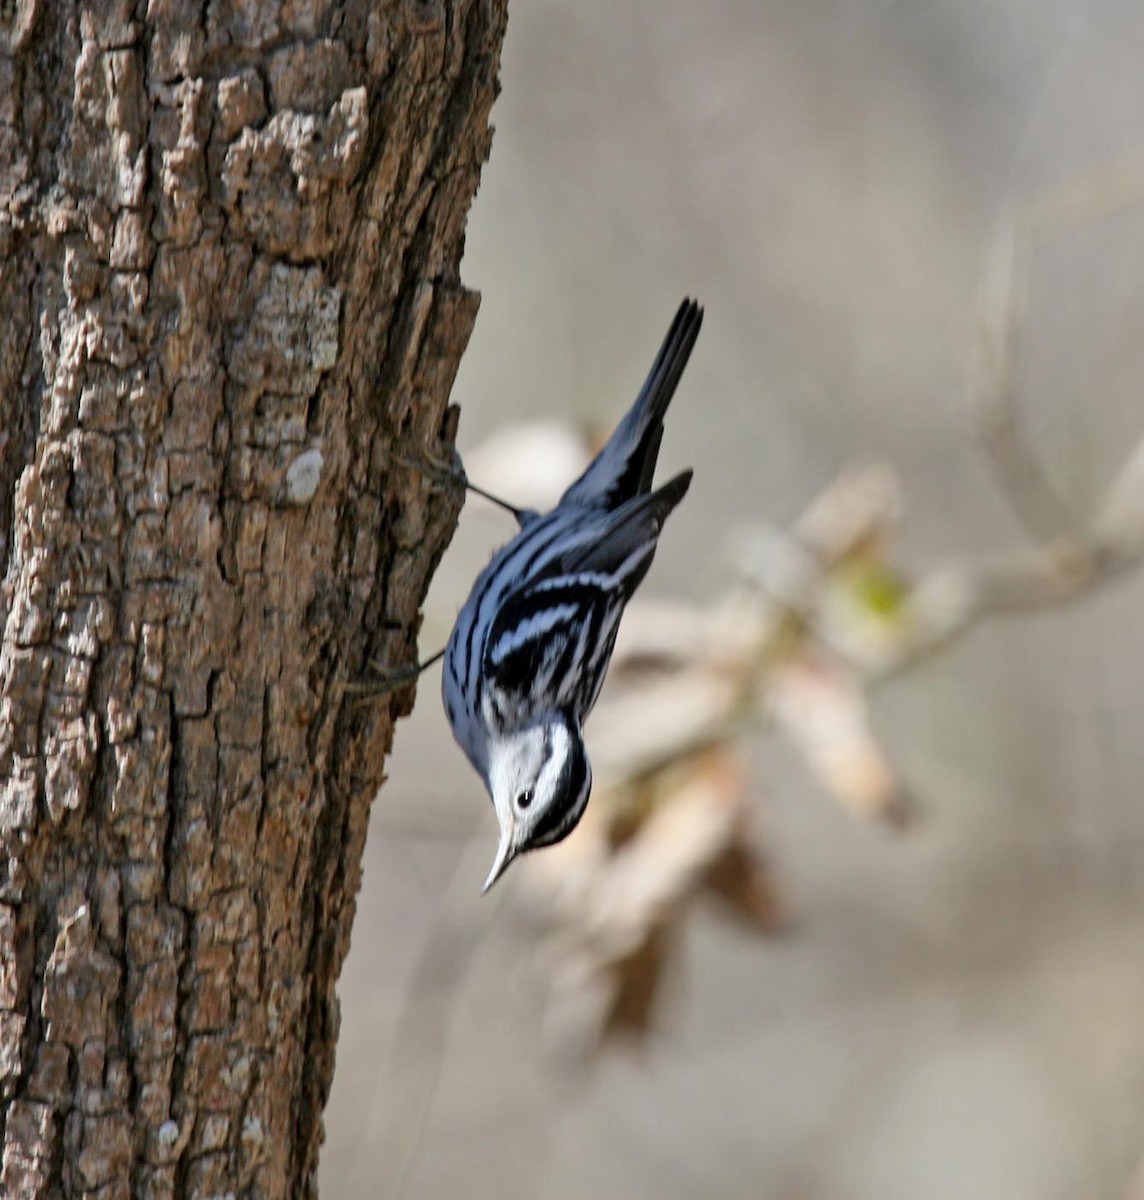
(954, 1009)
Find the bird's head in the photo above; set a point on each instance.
(540, 780)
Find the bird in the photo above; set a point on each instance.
(531, 645)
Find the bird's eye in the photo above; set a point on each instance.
(524, 799)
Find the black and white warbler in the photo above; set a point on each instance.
(531, 646)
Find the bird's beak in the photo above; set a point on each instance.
(506, 852)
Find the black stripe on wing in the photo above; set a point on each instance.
(537, 645)
(625, 546)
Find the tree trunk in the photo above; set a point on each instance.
(230, 236)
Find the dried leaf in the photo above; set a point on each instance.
(778, 563)
(822, 708)
(652, 874)
(620, 903)
(741, 879)
(862, 504)
(640, 727)
(664, 635)
(636, 987)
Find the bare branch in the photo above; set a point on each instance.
(994, 390)
(995, 374)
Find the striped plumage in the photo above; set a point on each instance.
(531, 646)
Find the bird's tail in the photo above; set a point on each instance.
(625, 466)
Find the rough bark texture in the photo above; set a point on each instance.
(229, 245)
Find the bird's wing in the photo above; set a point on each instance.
(625, 466)
(542, 651)
(626, 545)
(550, 642)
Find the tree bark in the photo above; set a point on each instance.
(230, 237)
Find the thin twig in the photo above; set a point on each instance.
(993, 394)
(1070, 560)
(994, 389)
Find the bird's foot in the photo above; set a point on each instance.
(436, 468)
(388, 680)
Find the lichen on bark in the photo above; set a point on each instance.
(230, 237)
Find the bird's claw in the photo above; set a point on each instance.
(390, 679)
(437, 470)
